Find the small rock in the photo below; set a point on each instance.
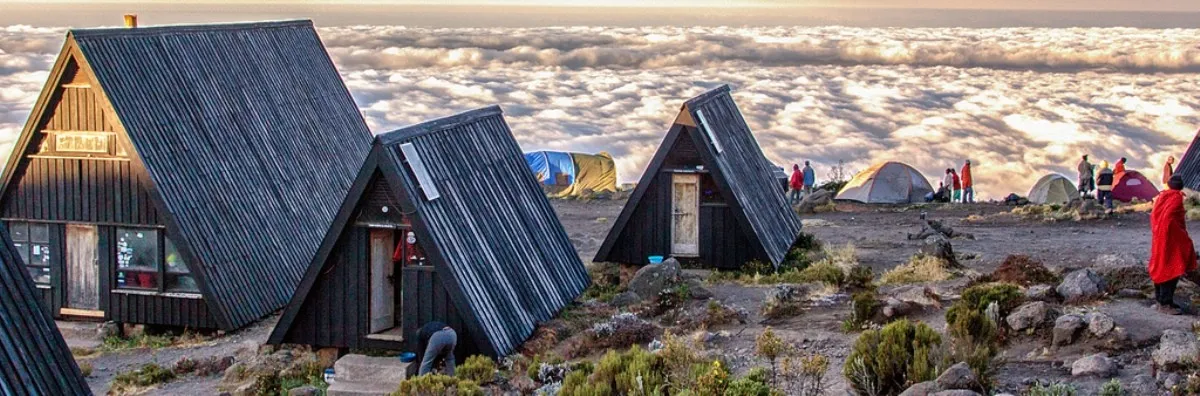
(1066, 327)
(939, 246)
(1098, 365)
(1081, 285)
(1175, 348)
(652, 279)
(108, 329)
(958, 376)
(956, 392)
(697, 290)
(921, 389)
(1131, 293)
(1142, 385)
(1028, 316)
(1099, 323)
(306, 390)
(625, 299)
(1172, 380)
(1039, 293)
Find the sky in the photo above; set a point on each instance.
(1020, 93)
(1089, 5)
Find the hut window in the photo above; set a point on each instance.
(32, 241)
(138, 259)
(179, 279)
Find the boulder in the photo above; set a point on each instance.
(939, 246)
(625, 299)
(1040, 293)
(1098, 365)
(958, 376)
(810, 202)
(1099, 323)
(905, 300)
(1122, 271)
(921, 389)
(1175, 348)
(697, 290)
(1030, 315)
(1142, 385)
(1081, 285)
(652, 279)
(306, 390)
(1066, 328)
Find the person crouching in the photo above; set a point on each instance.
(1172, 254)
(439, 341)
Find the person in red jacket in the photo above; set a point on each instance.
(1118, 169)
(796, 183)
(967, 185)
(1172, 254)
(956, 185)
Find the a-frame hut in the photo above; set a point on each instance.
(1189, 166)
(34, 358)
(181, 175)
(445, 222)
(708, 194)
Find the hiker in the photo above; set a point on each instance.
(439, 340)
(956, 185)
(1086, 178)
(810, 178)
(1119, 168)
(797, 185)
(1168, 170)
(942, 194)
(1172, 254)
(967, 185)
(1104, 186)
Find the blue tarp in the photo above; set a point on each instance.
(553, 168)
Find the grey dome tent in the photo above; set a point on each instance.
(1053, 188)
(887, 182)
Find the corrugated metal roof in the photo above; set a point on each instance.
(251, 139)
(34, 359)
(749, 175)
(499, 239)
(1189, 165)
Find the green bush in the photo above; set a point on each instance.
(1112, 388)
(823, 272)
(635, 371)
(713, 381)
(860, 278)
(1006, 295)
(973, 339)
(148, 375)
(468, 388)
(1055, 389)
(748, 387)
(887, 361)
(477, 368)
(426, 385)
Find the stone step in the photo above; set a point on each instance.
(366, 369)
(339, 388)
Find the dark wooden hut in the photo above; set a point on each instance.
(1188, 166)
(445, 222)
(34, 358)
(708, 194)
(181, 175)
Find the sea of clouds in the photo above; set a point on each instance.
(1018, 102)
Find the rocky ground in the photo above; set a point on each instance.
(1087, 345)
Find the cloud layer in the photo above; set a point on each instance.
(1018, 102)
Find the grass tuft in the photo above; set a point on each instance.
(919, 269)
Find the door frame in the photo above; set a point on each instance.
(678, 178)
(68, 277)
(371, 279)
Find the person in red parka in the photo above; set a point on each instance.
(797, 185)
(1172, 254)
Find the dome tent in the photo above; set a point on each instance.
(1053, 188)
(887, 182)
(1132, 184)
(573, 174)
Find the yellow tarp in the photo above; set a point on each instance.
(593, 174)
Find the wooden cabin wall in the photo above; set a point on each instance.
(426, 299)
(336, 311)
(648, 232)
(723, 243)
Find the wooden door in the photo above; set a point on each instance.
(383, 306)
(83, 267)
(685, 222)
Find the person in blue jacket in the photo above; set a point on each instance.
(810, 178)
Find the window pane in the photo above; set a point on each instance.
(137, 249)
(39, 233)
(40, 255)
(40, 275)
(20, 231)
(22, 250)
(133, 279)
(182, 283)
(174, 260)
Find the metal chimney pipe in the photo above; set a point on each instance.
(130, 20)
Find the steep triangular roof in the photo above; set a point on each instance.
(250, 139)
(483, 220)
(1189, 165)
(34, 358)
(738, 166)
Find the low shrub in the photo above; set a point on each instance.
(1023, 270)
(1112, 388)
(860, 278)
(864, 305)
(212, 365)
(919, 269)
(634, 371)
(86, 369)
(973, 339)
(823, 271)
(1006, 295)
(783, 301)
(748, 387)
(713, 381)
(620, 331)
(805, 376)
(889, 360)
(477, 368)
(717, 314)
(684, 357)
(184, 365)
(115, 343)
(427, 385)
(770, 347)
(149, 374)
(1055, 389)
(606, 282)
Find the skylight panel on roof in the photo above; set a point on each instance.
(419, 170)
(708, 131)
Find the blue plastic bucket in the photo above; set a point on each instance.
(656, 259)
(408, 357)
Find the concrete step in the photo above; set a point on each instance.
(339, 388)
(73, 329)
(366, 369)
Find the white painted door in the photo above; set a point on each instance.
(685, 224)
(383, 306)
(83, 267)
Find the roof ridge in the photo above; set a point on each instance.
(188, 28)
(438, 124)
(707, 95)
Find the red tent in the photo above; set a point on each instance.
(1131, 184)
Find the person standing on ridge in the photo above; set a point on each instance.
(1168, 170)
(967, 184)
(1119, 168)
(796, 183)
(1104, 186)
(956, 185)
(810, 178)
(1087, 181)
(1172, 255)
